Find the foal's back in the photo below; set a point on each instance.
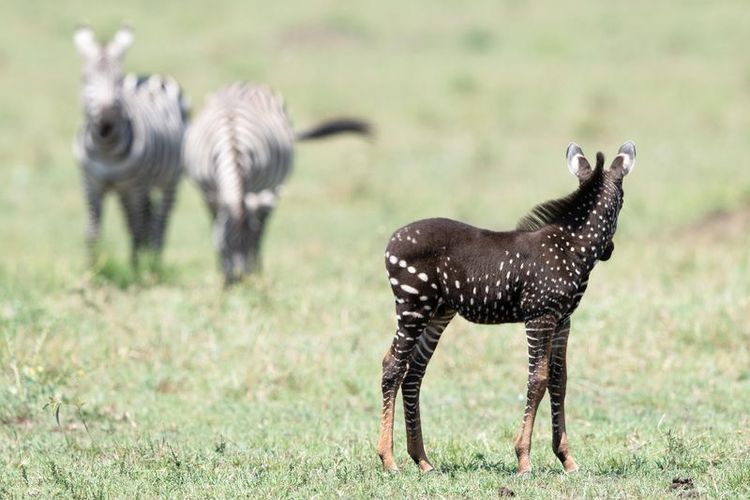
(477, 272)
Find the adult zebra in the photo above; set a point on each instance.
(129, 142)
(239, 151)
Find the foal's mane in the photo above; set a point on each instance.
(554, 210)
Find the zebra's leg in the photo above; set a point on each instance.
(137, 207)
(94, 202)
(223, 240)
(394, 369)
(410, 387)
(259, 206)
(257, 223)
(538, 334)
(557, 381)
(160, 218)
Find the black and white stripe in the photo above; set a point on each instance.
(239, 150)
(130, 141)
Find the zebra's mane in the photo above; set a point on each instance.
(555, 210)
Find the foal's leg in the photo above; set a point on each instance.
(394, 368)
(538, 334)
(557, 380)
(420, 357)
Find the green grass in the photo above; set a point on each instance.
(162, 384)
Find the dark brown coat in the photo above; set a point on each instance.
(536, 274)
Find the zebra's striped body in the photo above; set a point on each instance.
(239, 151)
(536, 275)
(130, 142)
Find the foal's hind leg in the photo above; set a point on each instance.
(394, 368)
(418, 361)
(557, 381)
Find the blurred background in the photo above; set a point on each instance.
(273, 387)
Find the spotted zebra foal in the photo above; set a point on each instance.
(129, 142)
(536, 274)
(239, 151)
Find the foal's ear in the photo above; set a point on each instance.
(577, 162)
(120, 42)
(85, 42)
(625, 159)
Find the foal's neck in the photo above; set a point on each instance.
(587, 229)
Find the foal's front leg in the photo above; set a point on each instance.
(538, 334)
(557, 381)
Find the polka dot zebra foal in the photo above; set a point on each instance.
(536, 274)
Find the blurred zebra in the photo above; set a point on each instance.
(130, 141)
(239, 151)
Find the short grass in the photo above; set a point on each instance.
(162, 384)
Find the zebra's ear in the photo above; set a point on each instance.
(85, 42)
(577, 162)
(121, 41)
(625, 159)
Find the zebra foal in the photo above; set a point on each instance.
(536, 274)
(129, 142)
(239, 151)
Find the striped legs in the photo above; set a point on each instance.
(412, 321)
(557, 381)
(137, 207)
(539, 333)
(418, 361)
(257, 221)
(94, 203)
(159, 219)
(231, 238)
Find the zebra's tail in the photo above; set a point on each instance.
(335, 126)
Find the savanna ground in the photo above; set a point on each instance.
(118, 385)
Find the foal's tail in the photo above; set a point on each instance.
(335, 126)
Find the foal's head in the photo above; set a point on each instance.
(620, 167)
(608, 182)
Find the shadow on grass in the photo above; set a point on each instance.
(477, 462)
(149, 272)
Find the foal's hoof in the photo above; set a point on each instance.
(389, 465)
(425, 466)
(570, 466)
(523, 469)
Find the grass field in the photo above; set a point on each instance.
(118, 385)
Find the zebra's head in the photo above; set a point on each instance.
(102, 78)
(238, 238)
(234, 239)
